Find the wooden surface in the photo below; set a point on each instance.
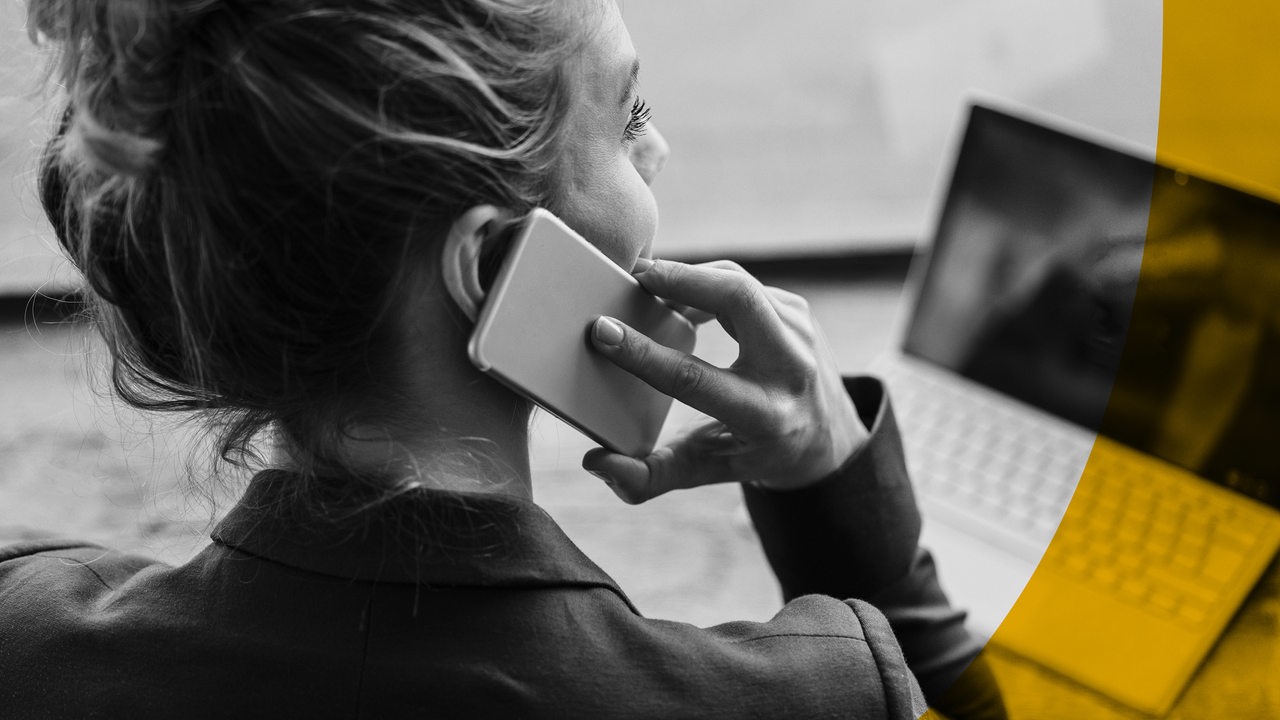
(75, 464)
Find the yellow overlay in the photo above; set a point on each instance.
(1219, 118)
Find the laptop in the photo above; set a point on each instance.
(1089, 394)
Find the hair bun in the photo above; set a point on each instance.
(114, 61)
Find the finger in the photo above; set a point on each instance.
(725, 321)
(795, 314)
(792, 309)
(685, 463)
(715, 391)
(785, 298)
(726, 291)
(789, 306)
(693, 315)
(696, 316)
(626, 476)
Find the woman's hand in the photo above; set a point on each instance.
(780, 414)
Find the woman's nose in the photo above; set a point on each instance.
(649, 154)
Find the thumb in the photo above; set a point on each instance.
(627, 477)
(689, 461)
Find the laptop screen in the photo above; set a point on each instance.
(1033, 290)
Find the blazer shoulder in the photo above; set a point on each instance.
(57, 564)
(818, 656)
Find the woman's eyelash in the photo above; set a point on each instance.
(640, 115)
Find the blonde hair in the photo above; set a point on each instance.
(243, 184)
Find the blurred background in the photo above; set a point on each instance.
(811, 127)
(802, 133)
(810, 140)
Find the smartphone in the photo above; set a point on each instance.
(533, 334)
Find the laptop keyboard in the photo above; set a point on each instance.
(1159, 543)
(981, 465)
(1168, 545)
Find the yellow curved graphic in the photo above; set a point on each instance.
(1210, 282)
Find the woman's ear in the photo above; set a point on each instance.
(465, 245)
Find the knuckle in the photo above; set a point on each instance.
(674, 273)
(769, 412)
(746, 295)
(638, 351)
(785, 297)
(799, 374)
(689, 379)
(776, 420)
(805, 381)
(785, 413)
(807, 331)
(790, 300)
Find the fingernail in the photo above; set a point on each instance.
(641, 265)
(608, 331)
(607, 480)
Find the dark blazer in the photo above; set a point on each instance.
(443, 604)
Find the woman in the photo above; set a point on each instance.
(284, 210)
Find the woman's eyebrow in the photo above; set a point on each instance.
(632, 79)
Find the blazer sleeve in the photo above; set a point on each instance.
(855, 534)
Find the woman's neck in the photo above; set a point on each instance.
(479, 446)
(455, 428)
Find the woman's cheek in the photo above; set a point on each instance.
(646, 248)
(614, 211)
(635, 224)
(646, 222)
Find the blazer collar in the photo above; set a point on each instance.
(427, 537)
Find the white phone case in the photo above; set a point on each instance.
(533, 335)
